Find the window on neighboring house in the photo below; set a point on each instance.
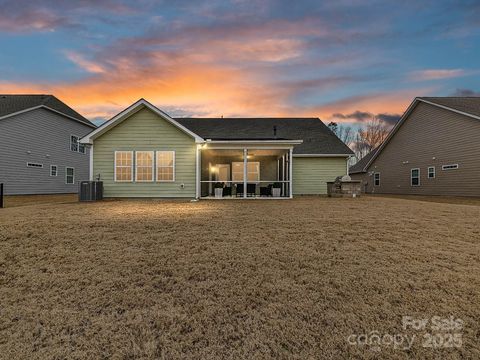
(431, 172)
(165, 165)
(415, 177)
(53, 170)
(144, 166)
(74, 143)
(69, 175)
(123, 165)
(76, 146)
(450, 167)
(253, 171)
(35, 165)
(376, 179)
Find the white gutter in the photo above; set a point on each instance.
(322, 155)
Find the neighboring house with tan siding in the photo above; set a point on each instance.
(143, 152)
(433, 150)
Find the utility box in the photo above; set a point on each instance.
(90, 191)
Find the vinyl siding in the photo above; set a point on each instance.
(430, 136)
(310, 175)
(40, 136)
(146, 131)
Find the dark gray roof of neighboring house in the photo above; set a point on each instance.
(469, 105)
(10, 104)
(317, 137)
(359, 167)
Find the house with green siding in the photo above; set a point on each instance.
(143, 152)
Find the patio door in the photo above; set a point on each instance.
(223, 173)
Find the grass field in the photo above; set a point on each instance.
(236, 279)
(22, 200)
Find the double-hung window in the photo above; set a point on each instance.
(165, 165)
(75, 144)
(415, 177)
(376, 179)
(143, 166)
(69, 175)
(431, 172)
(253, 171)
(53, 170)
(123, 166)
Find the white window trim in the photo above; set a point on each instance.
(434, 172)
(450, 167)
(66, 175)
(56, 170)
(153, 165)
(379, 177)
(156, 166)
(250, 182)
(70, 142)
(411, 176)
(115, 166)
(34, 165)
(78, 144)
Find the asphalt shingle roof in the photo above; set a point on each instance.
(470, 105)
(317, 137)
(360, 165)
(10, 104)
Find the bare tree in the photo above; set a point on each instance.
(370, 136)
(344, 133)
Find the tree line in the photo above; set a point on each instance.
(364, 139)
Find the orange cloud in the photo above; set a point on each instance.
(83, 63)
(436, 74)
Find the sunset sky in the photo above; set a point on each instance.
(338, 60)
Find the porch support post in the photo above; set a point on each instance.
(290, 172)
(245, 173)
(198, 172)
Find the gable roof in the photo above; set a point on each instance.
(468, 106)
(359, 167)
(132, 109)
(317, 137)
(13, 104)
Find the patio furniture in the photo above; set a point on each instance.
(266, 190)
(227, 191)
(251, 189)
(239, 191)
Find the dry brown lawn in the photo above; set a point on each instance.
(235, 279)
(22, 200)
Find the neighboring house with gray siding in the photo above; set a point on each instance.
(143, 152)
(39, 148)
(433, 150)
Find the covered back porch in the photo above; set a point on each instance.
(243, 170)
